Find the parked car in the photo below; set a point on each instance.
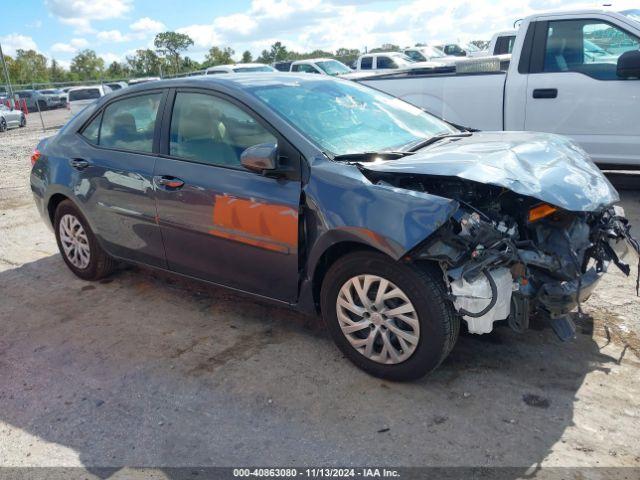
(502, 43)
(460, 49)
(333, 198)
(390, 61)
(53, 98)
(556, 82)
(282, 66)
(428, 53)
(36, 100)
(239, 68)
(116, 85)
(80, 97)
(323, 66)
(10, 118)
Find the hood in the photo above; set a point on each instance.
(548, 167)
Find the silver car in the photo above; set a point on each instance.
(10, 118)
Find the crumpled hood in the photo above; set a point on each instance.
(548, 167)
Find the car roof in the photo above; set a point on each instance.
(82, 87)
(313, 60)
(235, 65)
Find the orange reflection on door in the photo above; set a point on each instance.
(264, 225)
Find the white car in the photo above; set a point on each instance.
(239, 68)
(571, 73)
(80, 97)
(390, 61)
(323, 66)
(10, 118)
(427, 53)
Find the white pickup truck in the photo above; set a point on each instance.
(553, 83)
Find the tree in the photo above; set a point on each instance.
(171, 44)
(218, 56)
(481, 44)
(276, 53)
(56, 72)
(29, 66)
(247, 57)
(189, 65)
(386, 47)
(87, 65)
(116, 70)
(145, 62)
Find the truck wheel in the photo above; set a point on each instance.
(78, 245)
(42, 105)
(392, 320)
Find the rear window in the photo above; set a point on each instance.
(366, 63)
(84, 94)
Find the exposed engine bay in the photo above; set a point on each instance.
(506, 256)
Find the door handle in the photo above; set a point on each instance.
(78, 163)
(170, 183)
(545, 93)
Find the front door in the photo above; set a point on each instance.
(578, 93)
(219, 221)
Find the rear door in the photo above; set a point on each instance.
(219, 221)
(572, 87)
(112, 176)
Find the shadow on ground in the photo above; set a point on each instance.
(149, 370)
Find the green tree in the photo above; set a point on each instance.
(219, 56)
(29, 66)
(189, 65)
(87, 65)
(171, 44)
(145, 62)
(56, 72)
(481, 44)
(247, 57)
(386, 47)
(116, 70)
(276, 53)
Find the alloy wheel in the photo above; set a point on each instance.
(378, 319)
(75, 242)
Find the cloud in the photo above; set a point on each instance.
(73, 46)
(80, 13)
(113, 36)
(15, 41)
(109, 58)
(147, 25)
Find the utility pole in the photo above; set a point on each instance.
(6, 73)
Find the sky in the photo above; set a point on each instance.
(116, 28)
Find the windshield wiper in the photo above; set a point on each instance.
(370, 156)
(436, 138)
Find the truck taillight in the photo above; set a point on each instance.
(35, 156)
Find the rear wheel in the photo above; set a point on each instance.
(78, 245)
(3, 125)
(23, 121)
(392, 320)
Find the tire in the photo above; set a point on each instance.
(3, 125)
(23, 121)
(93, 265)
(42, 105)
(433, 319)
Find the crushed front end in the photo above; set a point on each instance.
(505, 255)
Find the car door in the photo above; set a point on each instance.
(112, 176)
(219, 221)
(574, 92)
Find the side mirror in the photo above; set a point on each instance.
(629, 64)
(261, 157)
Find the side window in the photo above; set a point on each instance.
(504, 45)
(386, 62)
(211, 130)
(366, 63)
(129, 123)
(591, 47)
(92, 130)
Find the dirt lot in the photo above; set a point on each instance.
(151, 370)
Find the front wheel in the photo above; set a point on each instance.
(392, 320)
(78, 245)
(3, 125)
(23, 121)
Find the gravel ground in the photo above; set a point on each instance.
(144, 369)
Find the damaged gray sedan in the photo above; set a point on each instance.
(336, 199)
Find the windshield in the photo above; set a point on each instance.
(433, 52)
(333, 67)
(401, 58)
(48, 92)
(343, 117)
(632, 14)
(84, 94)
(260, 68)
